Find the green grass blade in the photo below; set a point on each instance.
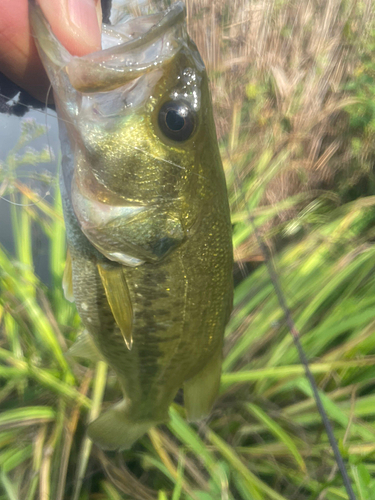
(252, 481)
(8, 487)
(279, 433)
(84, 455)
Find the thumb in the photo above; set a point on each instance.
(76, 23)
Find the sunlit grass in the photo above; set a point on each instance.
(264, 439)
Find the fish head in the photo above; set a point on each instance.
(140, 140)
(138, 115)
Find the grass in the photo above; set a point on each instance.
(293, 93)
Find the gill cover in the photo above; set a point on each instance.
(95, 95)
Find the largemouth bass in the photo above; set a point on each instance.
(147, 216)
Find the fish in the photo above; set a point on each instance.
(147, 217)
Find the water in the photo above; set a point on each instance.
(10, 131)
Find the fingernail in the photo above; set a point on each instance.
(83, 15)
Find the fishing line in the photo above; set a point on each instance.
(283, 304)
(25, 204)
(46, 119)
(296, 338)
(165, 161)
(158, 158)
(48, 192)
(44, 113)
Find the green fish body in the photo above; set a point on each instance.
(147, 216)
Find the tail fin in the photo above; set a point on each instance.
(114, 430)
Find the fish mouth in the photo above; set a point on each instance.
(158, 38)
(113, 67)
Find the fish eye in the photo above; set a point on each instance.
(177, 120)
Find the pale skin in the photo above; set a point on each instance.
(76, 23)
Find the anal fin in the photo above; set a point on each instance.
(201, 390)
(84, 347)
(118, 297)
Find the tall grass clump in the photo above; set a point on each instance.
(293, 89)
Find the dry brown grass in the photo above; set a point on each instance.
(304, 48)
(280, 64)
(277, 70)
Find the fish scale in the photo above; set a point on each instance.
(147, 218)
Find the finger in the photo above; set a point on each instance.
(76, 23)
(19, 59)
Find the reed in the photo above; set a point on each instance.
(292, 84)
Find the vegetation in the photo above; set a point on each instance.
(293, 86)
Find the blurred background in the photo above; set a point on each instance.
(293, 86)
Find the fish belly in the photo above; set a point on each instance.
(180, 308)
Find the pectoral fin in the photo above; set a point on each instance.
(118, 297)
(67, 281)
(200, 391)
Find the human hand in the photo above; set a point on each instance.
(76, 23)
